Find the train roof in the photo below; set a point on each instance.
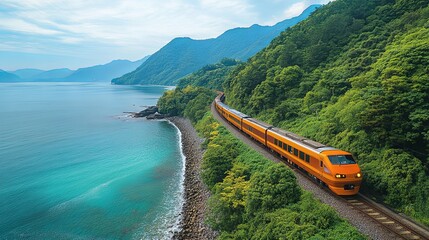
(240, 114)
(223, 105)
(316, 146)
(263, 124)
(220, 98)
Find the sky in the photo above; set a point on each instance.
(49, 34)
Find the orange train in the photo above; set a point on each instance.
(333, 167)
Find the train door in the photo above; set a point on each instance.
(325, 173)
(321, 169)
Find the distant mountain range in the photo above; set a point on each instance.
(8, 77)
(185, 55)
(104, 73)
(27, 73)
(52, 74)
(99, 73)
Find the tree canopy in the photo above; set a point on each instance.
(354, 75)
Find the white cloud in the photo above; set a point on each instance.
(123, 22)
(231, 6)
(295, 9)
(18, 25)
(70, 40)
(128, 28)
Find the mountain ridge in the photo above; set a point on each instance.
(26, 72)
(184, 55)
(8, 77)
(104, 72)
(97, 73)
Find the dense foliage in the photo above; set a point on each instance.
(354, 75)
(254, 198)
(192, 102)
(210, 76)
(194, 93)
(183, 56)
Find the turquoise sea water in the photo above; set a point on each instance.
(73, 166)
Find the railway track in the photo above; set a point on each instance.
(391, 225)
(400, 226)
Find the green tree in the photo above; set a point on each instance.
(354, 76)
(229, 201)
(273, 188)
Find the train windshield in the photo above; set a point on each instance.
(341, 159)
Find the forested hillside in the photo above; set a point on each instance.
(184, 55)
(251, 196)
(210, 76)
(354, 75)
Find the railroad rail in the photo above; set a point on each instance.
(402, 227)
(397, 226)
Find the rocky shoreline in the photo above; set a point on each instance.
(149, 113)
(196, 193)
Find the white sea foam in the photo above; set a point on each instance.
(165, 225)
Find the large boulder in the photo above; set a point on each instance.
(156, 115)
(148, 111)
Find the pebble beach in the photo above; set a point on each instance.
(196, 194)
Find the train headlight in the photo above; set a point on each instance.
(358, 175)
(340, 175)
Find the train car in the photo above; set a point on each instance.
(220, 107)
(225, 111)
(233, 116)
(220, 97)
(334, 167)
(256, 129)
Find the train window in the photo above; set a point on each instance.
(280, 144)
(301, 155)
(235, 119)
(289, 149)
(295, 152)
(341, 159)
(321, 163)
(307, 158)
(275, 141)
(285, 146)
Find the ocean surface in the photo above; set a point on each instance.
(74, 166)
